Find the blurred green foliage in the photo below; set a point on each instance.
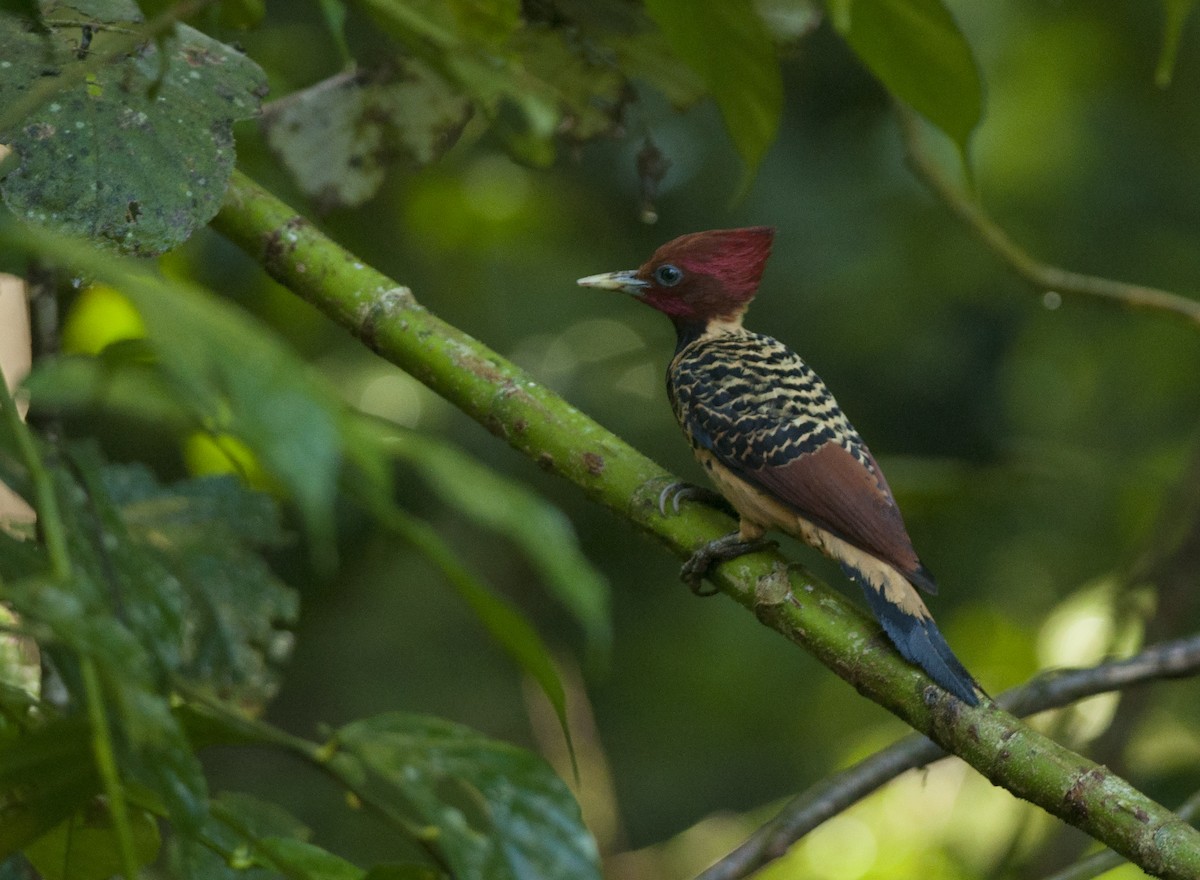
(1042, 448)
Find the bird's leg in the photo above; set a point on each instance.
(679, 491)
(716, 552)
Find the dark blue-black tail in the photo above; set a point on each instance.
(921, 643)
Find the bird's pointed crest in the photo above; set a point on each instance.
(734, 257)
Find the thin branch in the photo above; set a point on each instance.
(385, 316)
(1042, 276)
(1048, 690)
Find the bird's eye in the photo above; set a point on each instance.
(668, 275)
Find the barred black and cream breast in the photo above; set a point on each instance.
(755, 403)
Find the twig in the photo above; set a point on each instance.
(1042, 276)
(1049, 690)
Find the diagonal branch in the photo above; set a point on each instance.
(1105, 860)
(1042, 276)
(1049, 690)
(385, 316)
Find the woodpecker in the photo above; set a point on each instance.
(776, 443)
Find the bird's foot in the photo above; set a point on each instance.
(679, 491)
(714, 553)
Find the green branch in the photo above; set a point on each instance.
(385, 316)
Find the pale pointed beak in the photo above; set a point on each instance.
(626, 281)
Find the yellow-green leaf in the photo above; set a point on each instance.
(917, 51)
(729, 46)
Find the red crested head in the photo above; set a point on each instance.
(698, 278)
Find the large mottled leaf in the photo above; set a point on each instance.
(729, 46)
(207, 533)
(497, 812)
(920, 55)
(339, 137)
(124, 141)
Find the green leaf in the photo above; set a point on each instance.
(98, 10)
(496, 812)
(46, 774)
(591, 95)
(237, 377)
(487, 21)
(644, 55)
(243, 14)
(250, 839)
(134, 150)
(510, 630)
(1177, 12)
(542, 532)
(108, 385)
(85, 846)
(523, 110)
(917, 51)
(729, 46)
(30, 10)
(20, 667)
(207, 532)
(338, 137)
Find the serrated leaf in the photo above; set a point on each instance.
(134, 152)
(339, 137)
(730, 48)
(542, 532)
(500, 812)
(917, 51)
(84, 847)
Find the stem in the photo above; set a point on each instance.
(235, 728)
(45, 499)
(1041, 276)
(106, 763)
